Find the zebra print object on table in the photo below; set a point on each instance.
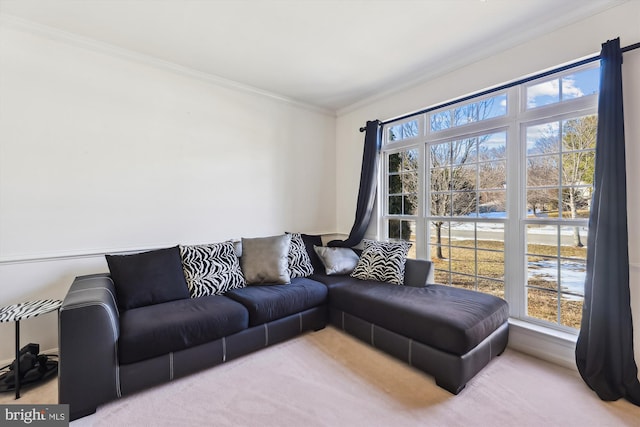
(25, 310)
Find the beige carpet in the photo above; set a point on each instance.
(328, 378)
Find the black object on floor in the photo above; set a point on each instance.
(34, 367)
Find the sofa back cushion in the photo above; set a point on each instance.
(299, 261)
(265, 260)
(382, 261)
(211, 269)
(148, 278)
(337, 260)
(418, 273)
(311, 240)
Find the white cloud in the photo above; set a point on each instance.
(569, 88)
(552, 88)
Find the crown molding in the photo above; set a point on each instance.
(94, 45)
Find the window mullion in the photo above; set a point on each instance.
(515, 273)
(421, 244)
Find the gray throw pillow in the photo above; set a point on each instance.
(337, 261)
(382, 261)
(265, 260)
(237, 247)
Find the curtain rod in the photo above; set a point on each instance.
(506, 86)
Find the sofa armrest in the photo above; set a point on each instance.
(89, 331)
(418, 272)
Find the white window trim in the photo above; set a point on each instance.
(515, 123)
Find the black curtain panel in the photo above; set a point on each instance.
(604, 351)
(367, 191)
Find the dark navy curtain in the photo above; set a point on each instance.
(604, 351)
(367, 190)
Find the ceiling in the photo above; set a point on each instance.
(326, 53)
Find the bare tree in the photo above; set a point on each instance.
(568, 166)
(492, 172)
(453, 174)
(578, 163)
(543, 171)
(453, 186)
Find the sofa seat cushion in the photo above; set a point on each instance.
(418, 273)
(176, 325)
(272, 302)
(333, 281)
(450, 319)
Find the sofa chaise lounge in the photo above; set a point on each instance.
(109, 350)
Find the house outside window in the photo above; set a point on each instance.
(496, 192)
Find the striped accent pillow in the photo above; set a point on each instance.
(211, 269)
(382, 261)
(299, 262)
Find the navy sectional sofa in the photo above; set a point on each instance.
(107, 352)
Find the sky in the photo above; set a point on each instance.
(575, 85)
(582, 83)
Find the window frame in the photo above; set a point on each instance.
(518, 117)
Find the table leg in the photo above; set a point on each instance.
(16, 372)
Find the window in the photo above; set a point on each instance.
(468, 196)
(562, 88)
(402, 200)
(464, 114)
(560, 159)
(496, 191)
(403, 131)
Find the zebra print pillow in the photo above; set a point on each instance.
(382, 261)
(299, 262)
(211, 269)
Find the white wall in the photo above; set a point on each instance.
(568, 44)
(102, 152)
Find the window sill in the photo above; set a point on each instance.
(569, 337)
(544, 343)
